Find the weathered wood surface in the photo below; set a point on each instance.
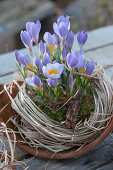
(15, 13)
(99, 47)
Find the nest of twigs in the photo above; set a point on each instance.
(40, 131)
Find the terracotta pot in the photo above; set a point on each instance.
(44, 153)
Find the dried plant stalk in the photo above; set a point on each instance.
(7, 156)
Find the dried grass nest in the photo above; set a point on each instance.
(39, 131)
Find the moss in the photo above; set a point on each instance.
(87, 106)
(87, 103)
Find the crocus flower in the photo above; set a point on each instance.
(34, 30)
(53, 70)
(17, 53)
(52, 82)
(38, 64)
(61, 28)
(46, 58)
(82, 37)
(72, 59)
(81, 63)
(41, 48)
(23, 59)
(90, 67)
(34, 81)
(70, 39)
(26, 39)
(28, 62)
(50, 40)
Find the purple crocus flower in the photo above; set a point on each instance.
(81, 63)
(70, 39)
(23, 59)
(28, 62)
(53, 70)
(34, 81)
(82, 37)
(61, 28)
(26, 39)
(38, 64)
(50, 40)
(72, 59)
(52, 82)
(46, 58)
(41, 48)
(17, 53)
(90, 67)
(34, 30)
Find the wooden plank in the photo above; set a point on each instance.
(99, 157)
(97, 38)
(5, 141)
(102, 56)
(21, 12)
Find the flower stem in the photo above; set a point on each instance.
(71, 82)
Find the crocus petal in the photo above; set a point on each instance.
(46, 58)
(17, 53)
(52, 82)
(26, 39)
(40, 67)
(70, 39)
(47, 50)
(30, 82)
(38, 25)
(27, 60)
(34, 30)
(63, 54)
(65, 20)
(20, 57)
(29, 27)
(72, 59)
(63, 31)
(36, 80)
(90, 67)
(37, 61)
(56, 28)
(48, 38)
(82, 62)
(82, 37)
(41, 48)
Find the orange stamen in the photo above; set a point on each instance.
(81, 70)
(30, 66)
(53, 72)
(51, 47)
